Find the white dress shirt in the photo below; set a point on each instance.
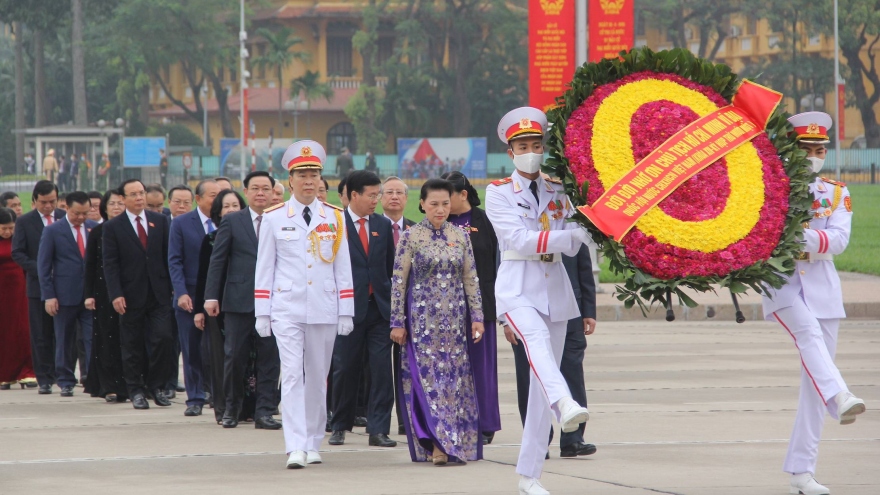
(131, 218)
(399, 223)
(254, 216)
(204, 219)
(82, 228)
(357, 225)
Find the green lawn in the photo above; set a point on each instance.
(862, 255)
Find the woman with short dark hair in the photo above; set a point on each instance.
(435, 290)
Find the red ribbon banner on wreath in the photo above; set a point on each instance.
(690, 150)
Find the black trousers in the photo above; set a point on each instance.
(398, 399)
(213, 359)
(175, 373)
(348, 357)
(42, 341)
(572, 368)
(142, 329)
(241, 338)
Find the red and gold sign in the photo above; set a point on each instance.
(611, 26)
(551, 50)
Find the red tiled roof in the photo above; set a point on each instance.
(264, 100)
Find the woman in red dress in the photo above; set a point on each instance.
(15, 335)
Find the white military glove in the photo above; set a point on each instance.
(581, 235)
(264, 326)
(345, 326)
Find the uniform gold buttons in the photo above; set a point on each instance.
(803, 272)
(310, 282)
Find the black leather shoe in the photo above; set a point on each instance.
(193, 411)
(67, 391)
(230, 419)
(576, 449)
(170, 393)
(337, 438)
(139, 401)
(45, 389)
(160, 399)
(488, 437)
(179, 388)
(381, 440)
(267, 423)
(360, 421)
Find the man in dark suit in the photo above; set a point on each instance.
(61, 267)
(234, 259)
(395, 194)
(25, 248)
(371, 247)
(185, 241)
(580, 272)
(136, 270)
(180, 200)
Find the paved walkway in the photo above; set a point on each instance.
(690, 408)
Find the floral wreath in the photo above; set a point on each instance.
(737, 223)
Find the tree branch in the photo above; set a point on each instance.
(171, 97)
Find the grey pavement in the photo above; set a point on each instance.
(677, 408)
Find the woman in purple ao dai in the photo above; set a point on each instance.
(434, 271)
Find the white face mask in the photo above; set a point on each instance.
(528, 163)
(817, 163)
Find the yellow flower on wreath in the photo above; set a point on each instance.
(612, 154)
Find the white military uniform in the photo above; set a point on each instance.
(809, 307)
(304, 289)
(534, 296)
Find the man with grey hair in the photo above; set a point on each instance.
(394, 196)
(184, 246)
(277, 193)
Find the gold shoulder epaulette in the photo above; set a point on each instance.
(501, 182)
(274, 207)
(830, 181)
(333, 206)
(554, 180)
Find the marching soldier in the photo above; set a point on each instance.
(304, 295)
(810, 307)
(532, 291)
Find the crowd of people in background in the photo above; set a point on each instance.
(131, 285)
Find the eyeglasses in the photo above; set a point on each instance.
(138, 194)
(393, 193)
(181, 202)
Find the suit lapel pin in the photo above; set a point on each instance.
(152, 224)
(375, 234)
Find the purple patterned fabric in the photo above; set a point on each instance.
(434, 286)
(483, 355)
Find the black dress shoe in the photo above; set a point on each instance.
(337, 438)
(45, 389)
(488, 437)
(139, 401)
(230, 419)
(360, 421)
(170, 393)
(576, 449)
(160, 399)
(195, 410)
(381, 440)
(267, 423)
(179, 388)
(67, 391)
(5, 386)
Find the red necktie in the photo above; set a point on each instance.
(80, 242)
(365, 242)
(363, 234)
(396, 231)
(48, 219)
(142, 233)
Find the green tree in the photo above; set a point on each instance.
(710, 18)
(157, 34)
(80, 109)
(279, 56)
(364, 110)
(310, 87)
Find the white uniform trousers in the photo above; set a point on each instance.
(305, 351)
(816, 341)
(543, 341)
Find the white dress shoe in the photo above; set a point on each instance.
(571, 414)
(531, 486)
(805, 484)
(297, 460)
(848, 407)
(313, 457)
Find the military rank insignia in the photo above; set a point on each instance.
(847, 202)
(326, 227)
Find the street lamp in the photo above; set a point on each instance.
(294, 107)
(813, 101)
(243, 55)
(205, 117)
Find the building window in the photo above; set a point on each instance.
(751, 25)
(815, 39)
(385, 50)
(746, 44)
(341, 136)
(339, 57)
(640, 23)
(773, 41)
